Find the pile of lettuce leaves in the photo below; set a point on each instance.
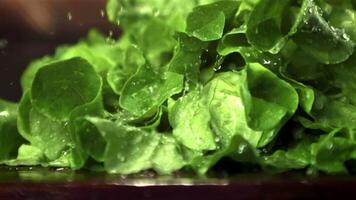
(256, 84)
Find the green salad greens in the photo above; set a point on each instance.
(195, 85)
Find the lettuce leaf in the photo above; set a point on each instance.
(195, 85)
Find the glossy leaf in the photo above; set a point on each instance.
(60, 87)
(10, 139)
(147, 90)
(207, 22)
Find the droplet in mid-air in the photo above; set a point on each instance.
(69, 16)
(3, 43)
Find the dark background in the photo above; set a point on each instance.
(30, 29)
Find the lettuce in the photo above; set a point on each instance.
(267, 84)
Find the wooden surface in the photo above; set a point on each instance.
(41, 183)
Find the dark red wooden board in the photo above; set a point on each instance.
(41, 183)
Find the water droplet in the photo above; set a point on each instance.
(217, 68)
(4, 114)
(310, 10)
(316, 29)
(109, 38)
(156, 13)
(150, 89)
(266, 62)
(345, 37)
(199, 141)
(3, 43)
(60, 169)
(69, 16)
(312, 171)
(121, 10)
(241, 149)
(121, 158)
(186, 87)
(102, 13)
(66, 124)
(264, 150)
(217, 139)
(330, 145)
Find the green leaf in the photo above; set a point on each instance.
(28, 156)
(10, 139)
(263, 83)
(133, 59)
(343, 76)
(31, 70)
(46, 117)
(207, 22)
(331, 152)
(86, 138)
(168, 156)
(265, 26)
(112, 8)
(233, 41)
(332, 114)
(236, 41)
(157, 41)
(318, 38)
(187, 57)
(51, 136)
(275, 22)
(190, 121)
(229, 104)
(100, 51)
(212, 28)
(344, 19)
(238, 149)
(298, 156)
(129, 149)
(328, 154)
(147, 90)
(274, 102)
(62, 86)
(131, 13)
